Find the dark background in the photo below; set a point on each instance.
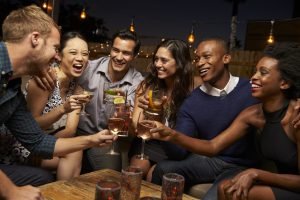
(157, 19)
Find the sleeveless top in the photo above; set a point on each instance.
(12, 151)
(276, 145)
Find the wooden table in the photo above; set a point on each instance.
(84, 186)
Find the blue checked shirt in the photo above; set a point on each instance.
(15, 115)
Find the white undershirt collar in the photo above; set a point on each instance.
(210, 90)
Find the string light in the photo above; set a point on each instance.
(45, 5)
(83, 14)
(191, 37)
(271, 37)
(131, 27)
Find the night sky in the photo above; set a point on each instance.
(173, 18)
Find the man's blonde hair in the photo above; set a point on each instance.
(19, 23)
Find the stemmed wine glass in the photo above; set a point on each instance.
(143, 131)
(116, 121)
(85, 101)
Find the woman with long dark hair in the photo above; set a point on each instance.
(171, 71)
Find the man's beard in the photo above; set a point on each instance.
(39, 67)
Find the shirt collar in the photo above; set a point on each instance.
(210, 90)
(127, 78)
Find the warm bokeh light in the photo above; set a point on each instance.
(270, 39)
(131, 27)
(191, 38)
(83, 14)
(44, 5)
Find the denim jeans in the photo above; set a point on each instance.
(198, 169)
(26, 175)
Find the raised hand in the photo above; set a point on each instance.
(103, 138)
(143, 102)
(47, 82)
(87, 96)
(74, 102)
(162, 132)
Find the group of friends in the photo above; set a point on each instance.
(210, 124)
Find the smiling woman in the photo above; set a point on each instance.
(172, 74)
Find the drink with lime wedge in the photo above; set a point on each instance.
(115, 95)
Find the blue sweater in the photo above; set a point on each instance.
(205, 116)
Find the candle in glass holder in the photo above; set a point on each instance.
(172, 186)
(107, 190)
(131, 180)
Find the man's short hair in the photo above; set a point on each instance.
(220, 41)
(19, 23)
(126, 34)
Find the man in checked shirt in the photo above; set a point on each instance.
(30, 42)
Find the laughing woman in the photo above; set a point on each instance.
(56, 111)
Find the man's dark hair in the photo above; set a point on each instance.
(126, 34)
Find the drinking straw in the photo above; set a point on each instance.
(126, 93)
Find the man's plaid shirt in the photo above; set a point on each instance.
(15, 115)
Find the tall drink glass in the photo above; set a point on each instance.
(155, 106)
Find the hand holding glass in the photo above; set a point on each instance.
(84, 101)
